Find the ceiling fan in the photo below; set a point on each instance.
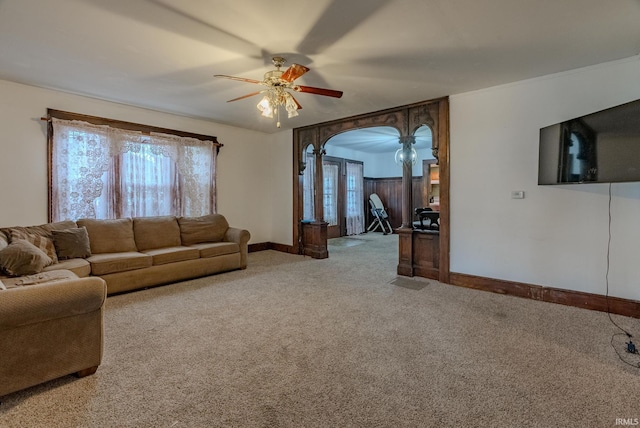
(277, 83)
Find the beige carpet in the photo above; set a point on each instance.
(297, 342)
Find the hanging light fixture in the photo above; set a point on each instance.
(279, 83)
(274, 98)
(265, 107)
(406, 155)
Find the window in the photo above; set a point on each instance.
(308, 190)
(355, 198)
(330, 176)
(103, 171)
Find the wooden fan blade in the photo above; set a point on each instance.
(296, 101)
(321, 91)
(293, 72)
(245, 96)
(240, 79)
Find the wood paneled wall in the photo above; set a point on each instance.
(390, 192)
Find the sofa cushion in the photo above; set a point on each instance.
(110, 236)
(21, 257)
(104, 263)
(72, 243)
(45, 243)
(43, 229)
(4, 240)
(80, 267)
(213, 249)
(163, 256)
(208, 228)
(60, 225)
(39, 278)
(156, 232)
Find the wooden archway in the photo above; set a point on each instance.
(406, 119)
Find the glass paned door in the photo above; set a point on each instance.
(331, 186)
(354, 198)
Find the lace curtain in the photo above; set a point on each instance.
(104, 172)
(330, 175)
(355, 198)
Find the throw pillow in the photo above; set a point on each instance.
(21, 257)
(72, 243)
(42, 242)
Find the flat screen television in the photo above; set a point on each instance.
(603, 147)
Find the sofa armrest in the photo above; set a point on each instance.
(240, 237)
(42, 302)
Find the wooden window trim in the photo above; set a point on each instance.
(144, 129)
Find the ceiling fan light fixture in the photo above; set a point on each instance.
(290, 105)
(265, 107)
(278, 84)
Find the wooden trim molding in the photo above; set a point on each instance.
(579, 299)
(120, 124)
(406, 119)
(262, 246)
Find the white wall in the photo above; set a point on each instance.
(245, 164)
(280, 187)
(556, 236)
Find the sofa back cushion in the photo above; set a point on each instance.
(4, 240)
(156, 232)
(109, 236)
(41, 236)
(60, 225)
(208, 228)
(41, 230)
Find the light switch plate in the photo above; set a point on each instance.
(517, 194)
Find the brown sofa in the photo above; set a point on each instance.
(51, 307)
(49, 330)
(133, 253)
(141, 252)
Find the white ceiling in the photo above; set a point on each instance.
(162, 54)
(379, 139)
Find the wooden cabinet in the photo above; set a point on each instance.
(419, 253)
(314, 237)
(426, 253)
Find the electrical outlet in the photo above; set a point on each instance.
(517, 194)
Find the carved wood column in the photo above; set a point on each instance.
(407, 176)
(405, 232)
(314, 234)
(405, 251)
(318, 207)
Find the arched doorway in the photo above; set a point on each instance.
(358, 158)
(310, 234)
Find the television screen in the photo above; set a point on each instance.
(603, 147)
